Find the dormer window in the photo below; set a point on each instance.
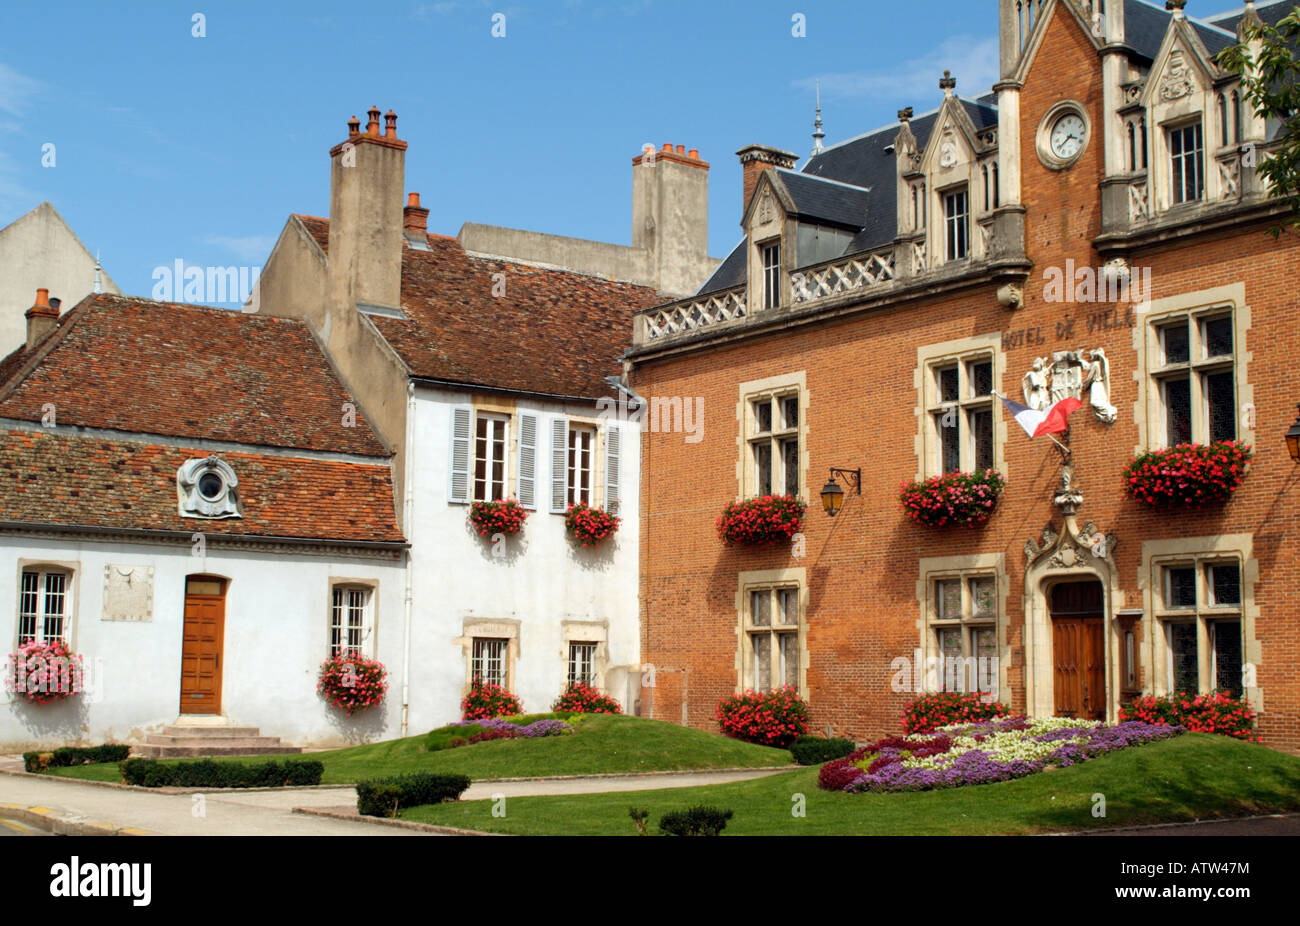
(771, 275)
(205, 488)
(1187, 171)
(956, 218)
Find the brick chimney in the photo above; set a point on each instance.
(42, 318)
(367, 177)
(415, 223)
(754, 159)
(670, 215)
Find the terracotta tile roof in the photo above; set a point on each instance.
(59, 479)
(553, 332)
(189, 371)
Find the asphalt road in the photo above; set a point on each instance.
(14, 828)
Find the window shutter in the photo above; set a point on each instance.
(462, 420)
(613, 447)
(559, 469)
(528, 460)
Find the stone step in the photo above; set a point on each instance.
(214, 731)
(158, 751)
(198, 742)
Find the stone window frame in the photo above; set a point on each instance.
(967, 217)
(935, 569)
(770, 293)
(370, 622)
(1157, 555)
(961, 352)
(71, 591)
(755, 390)
(1148, 409)
(600, 433)
(596, 632)
(769, 579)
(489, 628)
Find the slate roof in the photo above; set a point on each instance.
(826, 200)
(128, 364)
(553, 332)
(1145, 26)
(53, 478)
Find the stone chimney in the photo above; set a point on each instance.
(42, 318)
(754, 159)
(670, 215)
(367, 177)
(415, 223)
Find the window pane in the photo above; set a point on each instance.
(761, 608)
(984, 645)
(790, 463)
(1217, 336)
(948, 598)
(949, 441)
(790, 411)
(1226, 637)
(787, 600)
(983, 593)
(1178, 411)
(54, 600)
(762, 661)
(763, 416)
(981, 426)
(1182, 657)
(1221, 406)
(29, 601)
(763, 468)
(981, 378)
(790, 659)
(1173, 338)
(1225, 584)
(481, 493)
(950, 655)
(948, 389)
(1181, 587)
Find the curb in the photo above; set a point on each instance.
(1116, 830)
(60, 824)
(354, 817)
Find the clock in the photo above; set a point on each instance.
(1063, 135)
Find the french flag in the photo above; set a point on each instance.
(1053, 420)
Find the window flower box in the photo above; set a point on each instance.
(589, 526)
(953, 498)
(1188, 475)
(761, 521)
(503, 516)
(352, 682)
(41, 673)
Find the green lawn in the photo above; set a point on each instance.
(601, 743)
(1184, 778)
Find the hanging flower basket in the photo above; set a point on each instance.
(41, 673)
(761, 521)
(953, 498)
(352, 682)
(503, 516)
(588, 525)
(1188, 475)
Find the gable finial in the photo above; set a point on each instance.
(947, 83)
(818, 134)
(99, 286)
(1176, 7)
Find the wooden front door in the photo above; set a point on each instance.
(1079, 650)
(205, 620)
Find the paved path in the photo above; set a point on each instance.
(1279, 825)
(269, 813)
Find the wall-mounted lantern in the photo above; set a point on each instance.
(833, 495)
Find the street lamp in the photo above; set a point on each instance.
(1293, 439)
(833, 495)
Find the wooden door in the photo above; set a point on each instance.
(205, 619)
(1079, 650)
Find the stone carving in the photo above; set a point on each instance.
(1046, 541)
(1069, 373)
(1034, 386)
(1068, 497)
(1097, 380)
(205, 488)
(766, 213)
(128, 593)
(1178, 80)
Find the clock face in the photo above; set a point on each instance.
(1068, 135)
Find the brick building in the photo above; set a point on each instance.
(1099, 211)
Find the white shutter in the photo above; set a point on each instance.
(559, 468)
(613, 447)
(462, 422)
(528, 460)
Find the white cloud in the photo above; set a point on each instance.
(250, 248)
(974, 62)
(16, 90)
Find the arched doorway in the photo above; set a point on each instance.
(1078, 614)
(201, 644)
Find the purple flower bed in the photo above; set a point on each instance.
(534, 729)
(982, 753)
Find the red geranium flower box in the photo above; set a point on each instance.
(503, 516)
(761, 521)
(953, 498)
(1188, 475)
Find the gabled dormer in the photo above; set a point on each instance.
(769, 227)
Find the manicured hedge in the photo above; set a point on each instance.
(383, 797)
(697, 821)
(814, 750)
(206, 773)
(75, 755)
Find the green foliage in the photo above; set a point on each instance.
(383, 797)
(1270, 81)
(697, 821)
(814, 750)
(205, 773)
(74, 755)
(639, 816)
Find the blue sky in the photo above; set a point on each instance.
(170, 146)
